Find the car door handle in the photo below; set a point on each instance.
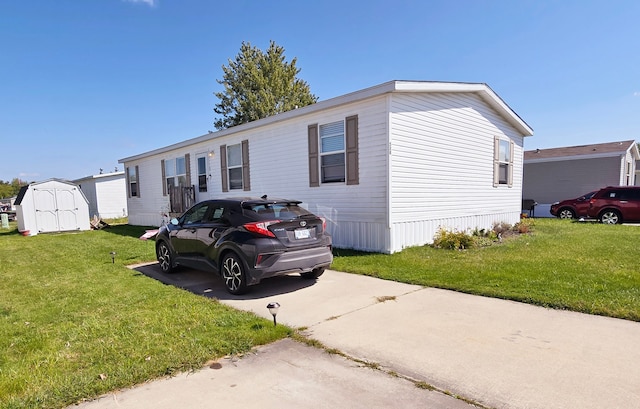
(193, 230)
(624, 201)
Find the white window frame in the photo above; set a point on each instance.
(503, 162)
(232, 166)
(326, 151)
(132, 181)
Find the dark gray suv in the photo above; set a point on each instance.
(245, 240)
(616, 204)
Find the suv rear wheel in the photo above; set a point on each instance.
(610, 216)
(233, 274)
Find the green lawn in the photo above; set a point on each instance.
(74, 325)
(586, 267)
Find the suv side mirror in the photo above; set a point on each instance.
(174, 221)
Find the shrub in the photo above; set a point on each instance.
(452, 239)
(500, 228)
(524, 226)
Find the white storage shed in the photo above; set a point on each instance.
(51, 206)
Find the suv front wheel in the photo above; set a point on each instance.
(566, 213)
(610, 216)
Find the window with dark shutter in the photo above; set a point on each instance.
(223, 168)
(187, 161)
(164, 178)
(312, 135)
(332, 152)
(246, 179)
(132, 182)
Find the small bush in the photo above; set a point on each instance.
(452, 239)
(499, 228)
(524, 226)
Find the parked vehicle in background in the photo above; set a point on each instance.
(246, 240)
(616, 204)
(572, 208)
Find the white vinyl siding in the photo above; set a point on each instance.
(442, 166)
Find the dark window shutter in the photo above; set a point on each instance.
(496, 161)
(223, 168)
(314, 171)
(353, 177)
(128, 172)
(187, 165)
(164, 179)
(246, 179)
(511, 153)
(137, 181)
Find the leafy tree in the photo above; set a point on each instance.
(259, 84)
(10, 189)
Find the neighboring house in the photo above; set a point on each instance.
(106, 193)
(53, 205)
(552, 175)
(387, 166)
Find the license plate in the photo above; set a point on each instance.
(302, 234)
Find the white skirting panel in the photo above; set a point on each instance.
(421, 232)
(372, 237)
(145, 219)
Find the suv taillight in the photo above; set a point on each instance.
(261, 227)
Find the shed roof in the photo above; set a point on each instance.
(24, 189)
(481, 89)
(598, 150)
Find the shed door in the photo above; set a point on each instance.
(56, 210)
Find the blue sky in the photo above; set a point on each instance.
(84, 83)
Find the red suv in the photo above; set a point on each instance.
(616, 204)
(572, 208)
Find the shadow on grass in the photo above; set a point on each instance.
(128, 230)
(10, 232)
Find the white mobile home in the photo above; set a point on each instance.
(386, 166)
(51, 206)
(106, 193)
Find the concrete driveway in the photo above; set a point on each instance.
(496, 353)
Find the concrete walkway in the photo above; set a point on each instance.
(500, 354)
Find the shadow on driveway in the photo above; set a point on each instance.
(210, 285)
